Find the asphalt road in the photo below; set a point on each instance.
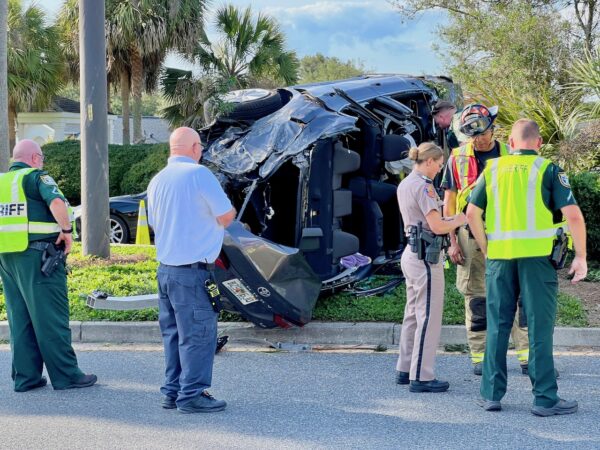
(295, 401)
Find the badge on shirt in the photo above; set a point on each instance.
(564, 180)
(430, 191)
(47, 179)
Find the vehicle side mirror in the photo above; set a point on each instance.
(395, 147)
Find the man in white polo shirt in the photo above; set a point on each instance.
(188, 210)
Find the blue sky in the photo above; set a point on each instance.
(366, 30)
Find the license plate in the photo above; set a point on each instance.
(237, 288)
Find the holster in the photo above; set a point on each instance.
(560, 248)
(428, 246)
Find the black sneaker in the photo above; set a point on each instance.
(168, 402)
(204, 403)
(83, 382)
(561, 408)
(40, 384)
(429, 386)
(489, 405)
(478, 369)
(402, 377)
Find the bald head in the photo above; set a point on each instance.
(28, 152)
(185, 141)
(525, 134)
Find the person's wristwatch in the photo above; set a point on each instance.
(68, 231)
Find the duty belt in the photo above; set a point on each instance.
(196, 265)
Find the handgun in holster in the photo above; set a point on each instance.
(428, 246)
(560, 248)
(52, 258)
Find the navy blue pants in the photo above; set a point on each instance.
(188, 325)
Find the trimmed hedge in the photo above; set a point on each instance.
(586, 188)
(130, 167)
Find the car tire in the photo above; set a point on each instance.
(257, 108)
(119, 232)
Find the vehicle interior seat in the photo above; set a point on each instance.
(322, 239)
(376, 217)
(344, 161)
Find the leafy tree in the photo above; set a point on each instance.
(585, 13)
(586, 82)
(187, 95)
(246, 49)
(325, 68)
(139, 35)
(152, 104)
(34, 60)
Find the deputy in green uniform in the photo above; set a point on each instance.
(525, 198)
(33, 214)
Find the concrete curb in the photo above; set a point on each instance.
(336, 333)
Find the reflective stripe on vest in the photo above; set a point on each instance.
(14, 235)
(14, 222)
(519, 225)
(466, 172)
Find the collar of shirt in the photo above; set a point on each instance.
(426, 178)
(19, 165)
(524, 152)
(181, 159)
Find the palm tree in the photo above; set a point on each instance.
(4, 148)
(246, 49)
(586, 76)
(143, 31)
(139, 35)
(35, 62)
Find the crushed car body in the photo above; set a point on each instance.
(312, 171)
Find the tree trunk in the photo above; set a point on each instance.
(4, 145)
(125, 105)
(137, 71)
(12, 128)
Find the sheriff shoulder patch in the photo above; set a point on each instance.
(430, 191)
(47, 179)
(564, 179)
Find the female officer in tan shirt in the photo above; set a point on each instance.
(422, 322)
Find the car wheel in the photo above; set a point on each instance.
(253, 107)
(119, 233)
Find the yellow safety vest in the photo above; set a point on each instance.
(14, 222)
(518, 223)
(465, 171)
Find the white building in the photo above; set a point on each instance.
(62, 121)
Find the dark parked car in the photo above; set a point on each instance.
(123, 217)
(312, 172)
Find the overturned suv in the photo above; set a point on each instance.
(310, 170)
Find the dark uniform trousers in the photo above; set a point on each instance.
(188, 324)
(38, 315)
(535, 279)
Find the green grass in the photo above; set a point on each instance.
(386, 308)
(132, 271)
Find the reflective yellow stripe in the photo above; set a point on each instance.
(523, 355)
(12, 228)
(43, 227)
(477, 357)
